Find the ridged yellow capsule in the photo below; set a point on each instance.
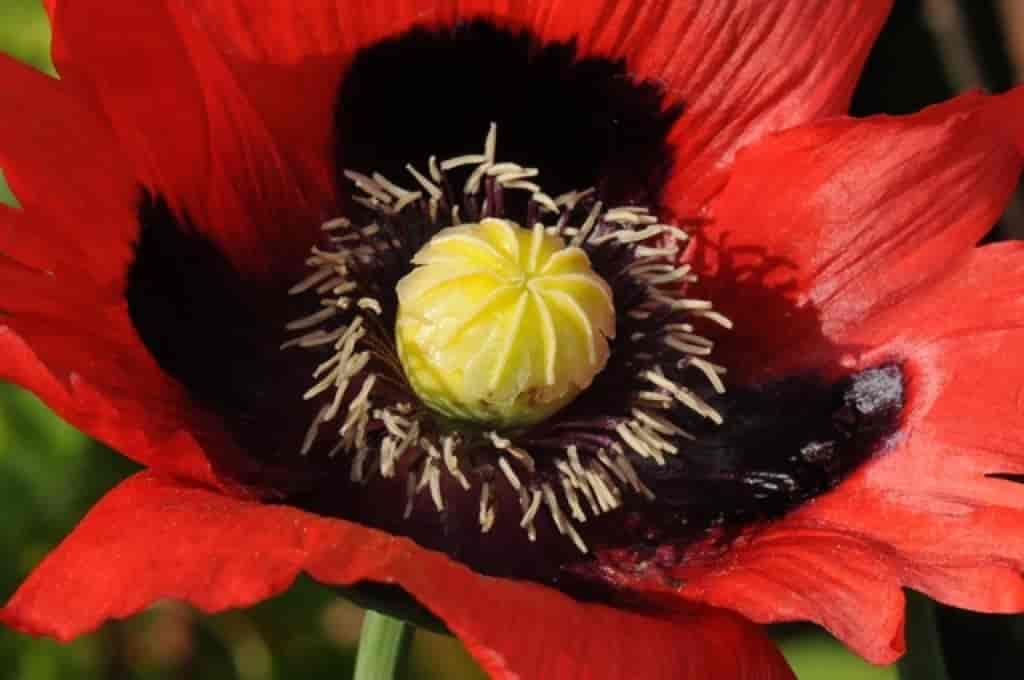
(502, 326)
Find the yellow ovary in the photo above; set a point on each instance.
(502, 326)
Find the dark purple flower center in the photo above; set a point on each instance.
(641, 459)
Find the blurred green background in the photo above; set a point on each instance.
(50, 475)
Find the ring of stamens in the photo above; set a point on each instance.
(573, 470)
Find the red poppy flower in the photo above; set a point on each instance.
(174, 180)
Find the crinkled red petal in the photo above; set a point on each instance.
(152, 538)
(929, 511)
(188, 129)
(823, 224)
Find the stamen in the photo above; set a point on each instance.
(451, 462)
(605, 490)
(487, 511)
(545, 201)
(312, 319)
(582, 484)
(524, 504)
(428, 186)
(392, 188)
(406, 200)
(659, 424)
(371, 304)
(591, 473)
(633, 441)
(368, 185)
(509, 473)
(659, 397)
(622, 462)
(534, 506)
(336, 223)
(565, 470)
(491, 143)
(552, 503)
(632, 216)
(667, 251)
(629, 236)
(311, 280)
(336, 285)
(717, 317)
(684, 347)
(499, 169)
(712, 372)
(358, 412)
(570, 199)
(311, 433)
(687, 304)
(574, 460)
(435, 488)
(524, 186)
(588, 225)
(356, 472)
(410, 494)
(683, 395)
(655, 446)
(576, 538)
(459, 161)
(518, 174)
(573, 500)
(498, 441)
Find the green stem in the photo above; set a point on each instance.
(383, 647)
(924, 659)
(393, 601)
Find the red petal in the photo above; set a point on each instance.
(925, 513)
(105, 404)
(151, 539)
(798, 570)
(964, 421)
(284, 54)
(61, 162)
(744, 67)
(821, 224)
(190, 132)
(62, 264)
